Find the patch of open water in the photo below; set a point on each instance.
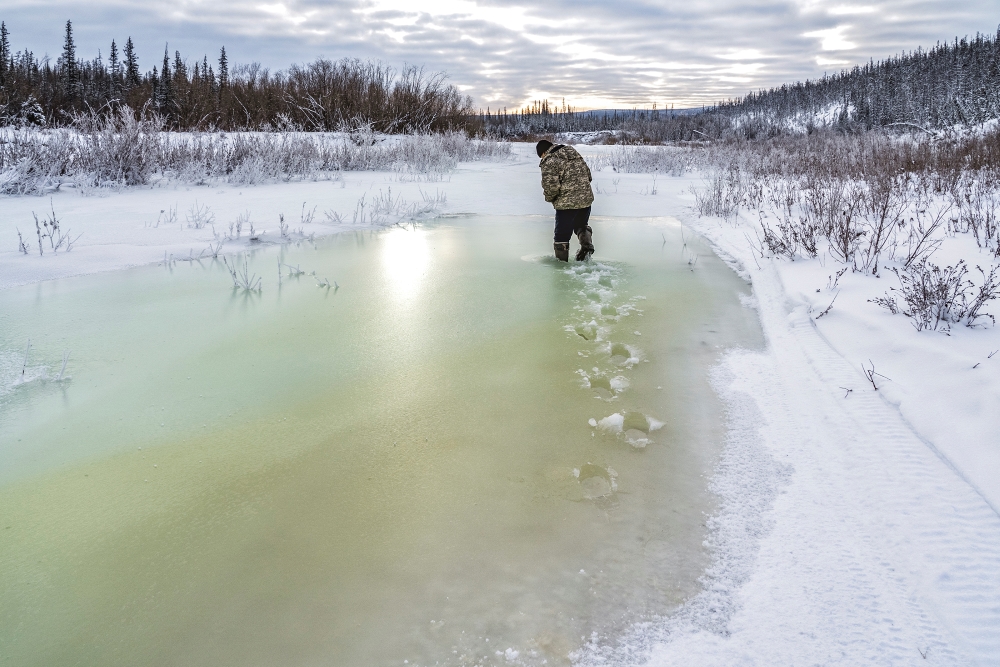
(464, 453)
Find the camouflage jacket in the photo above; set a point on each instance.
(566, 178)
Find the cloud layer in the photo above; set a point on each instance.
(594, 54)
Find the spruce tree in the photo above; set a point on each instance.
(180, 69)
(4, 51)
(223, 69)
(207, 74)
(165, 99)
(131, 65)
(115, 72)
(69, 72)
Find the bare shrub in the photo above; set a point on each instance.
(846, 231)
(722, 195)
(243, 279)
(199, 215)
(935, 298)
(21, 245)
(236, 226)
(872, 196)
(978, 204)
(780, 237)
(824, 200)
(988, 291)
(922, 240)
(49, 229)
(167, 216)
(306, 218)
(882, 202)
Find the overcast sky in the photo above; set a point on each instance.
(620, 53)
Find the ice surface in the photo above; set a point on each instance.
(301, 474)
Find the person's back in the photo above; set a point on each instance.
(566, 179)
(566, 183)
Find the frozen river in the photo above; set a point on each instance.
(464, 454)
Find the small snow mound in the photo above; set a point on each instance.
(612, 423)
(634, 427)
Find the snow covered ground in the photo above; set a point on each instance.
(858, 526)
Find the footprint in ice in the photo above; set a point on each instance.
(624, 355)
(602, 387)
(605, 387)
(587, 331)
(633, 426)
(636, 428)
(596, 482)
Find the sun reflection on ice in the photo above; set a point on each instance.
(405, 256)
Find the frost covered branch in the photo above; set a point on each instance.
(242, 278)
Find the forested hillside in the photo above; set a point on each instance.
(951, 84)
(955, 83)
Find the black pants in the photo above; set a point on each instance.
(569, 221)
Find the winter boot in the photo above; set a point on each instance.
(586, 236)
(562, 251)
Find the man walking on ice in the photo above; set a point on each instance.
(566, 181)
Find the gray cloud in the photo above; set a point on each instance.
(626, 53)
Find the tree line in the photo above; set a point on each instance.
(956, 83)
(653, 126)
(324, 95)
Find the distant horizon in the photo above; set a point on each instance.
(507, 54)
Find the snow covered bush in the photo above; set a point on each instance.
(871, 201)
(872, 198)
(722, 194)
(121, 151)
(98, 151)
(625, 159)
(977, 201)
(935, 298)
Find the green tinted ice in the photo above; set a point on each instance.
(466, 454)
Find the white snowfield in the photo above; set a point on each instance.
(857, 526)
